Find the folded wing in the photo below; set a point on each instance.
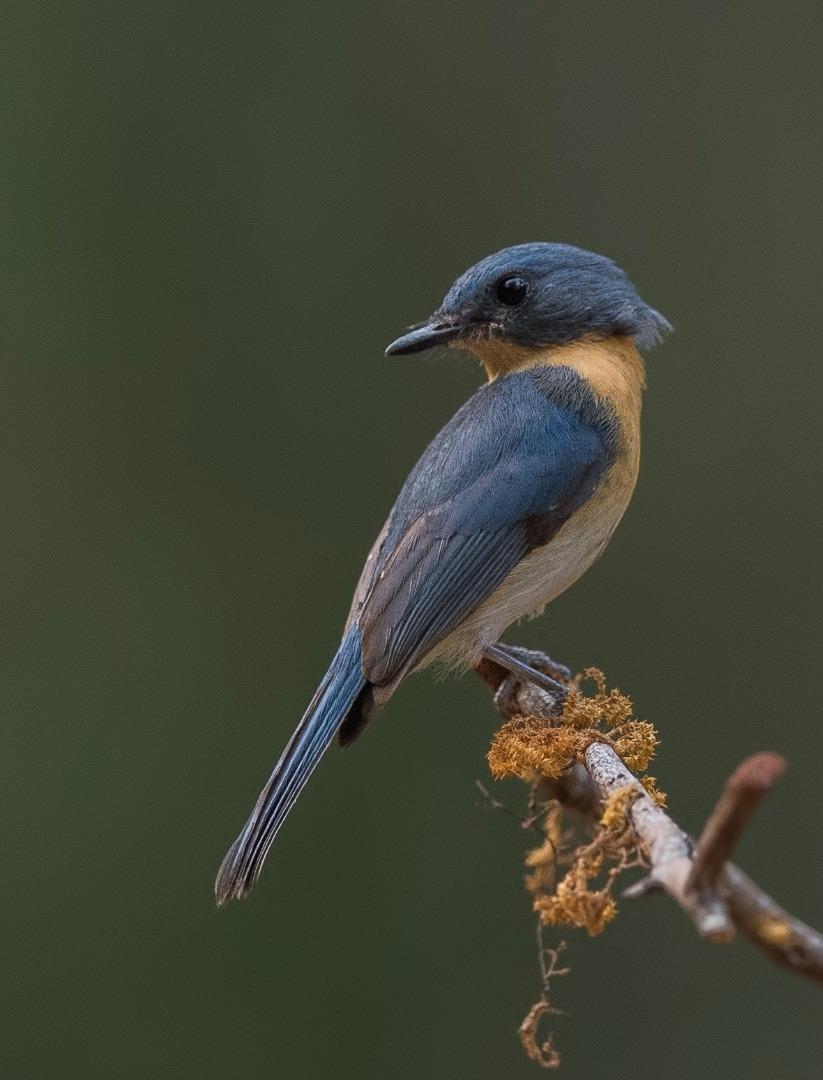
(499, 480)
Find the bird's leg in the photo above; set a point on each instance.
(539, 661)
(511, 659)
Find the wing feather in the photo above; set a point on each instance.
(499, 480)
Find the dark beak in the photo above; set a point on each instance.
(424, 337)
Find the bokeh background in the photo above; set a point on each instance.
(214, 217)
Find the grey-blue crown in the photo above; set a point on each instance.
(570, 293)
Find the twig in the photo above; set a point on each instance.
(527, 822)
(543, 1053)
(781, 936)
(717, 896)
(743, 792)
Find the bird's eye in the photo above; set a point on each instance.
(511, 290)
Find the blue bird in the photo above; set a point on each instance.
(512, 501)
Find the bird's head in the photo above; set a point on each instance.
(535, 296)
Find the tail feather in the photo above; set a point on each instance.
(340, 688)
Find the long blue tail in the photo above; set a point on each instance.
(328, 709)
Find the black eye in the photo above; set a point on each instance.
(511, 290)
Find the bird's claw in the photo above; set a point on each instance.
(531, 677)
(515, 696)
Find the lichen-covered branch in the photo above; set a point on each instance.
(591, 755)
(667, 848)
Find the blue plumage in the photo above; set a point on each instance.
(501, 477)
(328, 708)
(502, 489)
(572, 292)
(539, 294)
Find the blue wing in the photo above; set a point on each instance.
(499, 480)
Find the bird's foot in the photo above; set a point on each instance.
(527, 669)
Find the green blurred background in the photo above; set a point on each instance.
(214, 217)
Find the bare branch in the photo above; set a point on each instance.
(781, 936)
(641, 888)
(741, 796)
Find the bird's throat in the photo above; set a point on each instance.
(612, 366)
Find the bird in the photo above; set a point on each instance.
(508, 506)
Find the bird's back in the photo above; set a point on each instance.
(525, 453)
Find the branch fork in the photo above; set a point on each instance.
(717, 896)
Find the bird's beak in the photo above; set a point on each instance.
(424, 337)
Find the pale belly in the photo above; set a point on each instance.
(545, 573)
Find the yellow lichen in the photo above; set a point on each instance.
(571, 873)
(616, 808)
(530, 747)
(534, 749)
(609, 707)
(774, 931)
(575, 902)
(653, 791)
(541, 862)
